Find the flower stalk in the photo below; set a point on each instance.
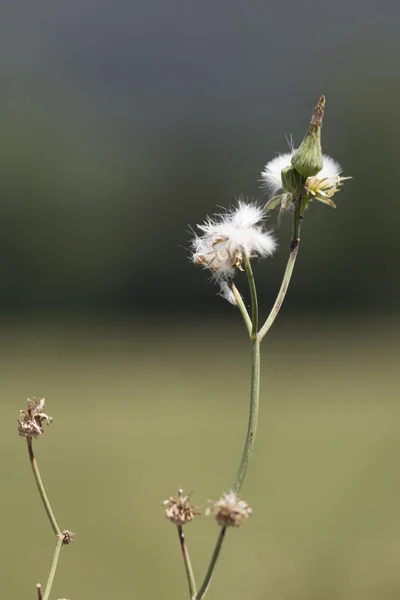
(253, 295)
(53, 567)
(228, 244)
(242, 308)
(211, 566)
(253, 416)
(31, 425)
(42, 491)
(252, 424)
(187, 562)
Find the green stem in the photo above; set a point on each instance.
(282, 292)
(253, 294)
(247, 452)
(41, 489)
(242, 308)
(187, 563)
(53, 568)
(253, 416)
(294, 248)
(213, 561)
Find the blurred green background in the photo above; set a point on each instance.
(123, 124)
(140, 410)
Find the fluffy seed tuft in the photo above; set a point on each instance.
(227, 239)
(230, 511)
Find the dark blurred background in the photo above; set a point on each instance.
(124, 122)
(122, 125)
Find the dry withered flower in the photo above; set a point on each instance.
(230, 511)
(31, 425)
(180, 511)
(67, 537)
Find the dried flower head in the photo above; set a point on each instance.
(227, 239)
(32, 423)
(180, 511)
(67, 537)
(230, 511)
(319, 187)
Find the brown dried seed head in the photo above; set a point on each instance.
(68, 537)
(31, 425)
(230, 511)
(180, 511)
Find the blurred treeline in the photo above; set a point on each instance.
(122, 123)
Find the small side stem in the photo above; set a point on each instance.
(187, 563)
(39, 591)
(213, 561)
(283, 289)
(41, 489)
(53, 568)
(294, 248)
(242, 308)
(253, 295)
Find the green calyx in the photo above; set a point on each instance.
(307, 160)
(292, 181)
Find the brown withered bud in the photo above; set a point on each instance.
(229, 511)
(31, 423)
(180, 511)
(67, 537)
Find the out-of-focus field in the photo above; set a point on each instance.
(142, 409)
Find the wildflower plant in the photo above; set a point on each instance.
(31, 426)
(227, 243)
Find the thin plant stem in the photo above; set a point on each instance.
(253, 295)
(41, 489)
(188, 565)
(251, 428)
(242, 308)
(282, 292)
(210, 569)
(253, 416)
(39, 591)
(53, 568)
(294, 248)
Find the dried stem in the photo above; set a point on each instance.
(41, 489)
(188, 565)
(39, 591)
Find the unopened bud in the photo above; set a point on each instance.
(292, 181)
(307, 160)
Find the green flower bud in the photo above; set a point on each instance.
(307, 160)
(292, 181)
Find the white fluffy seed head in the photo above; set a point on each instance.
(271, 175)
(229, 237)
(330, 170)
